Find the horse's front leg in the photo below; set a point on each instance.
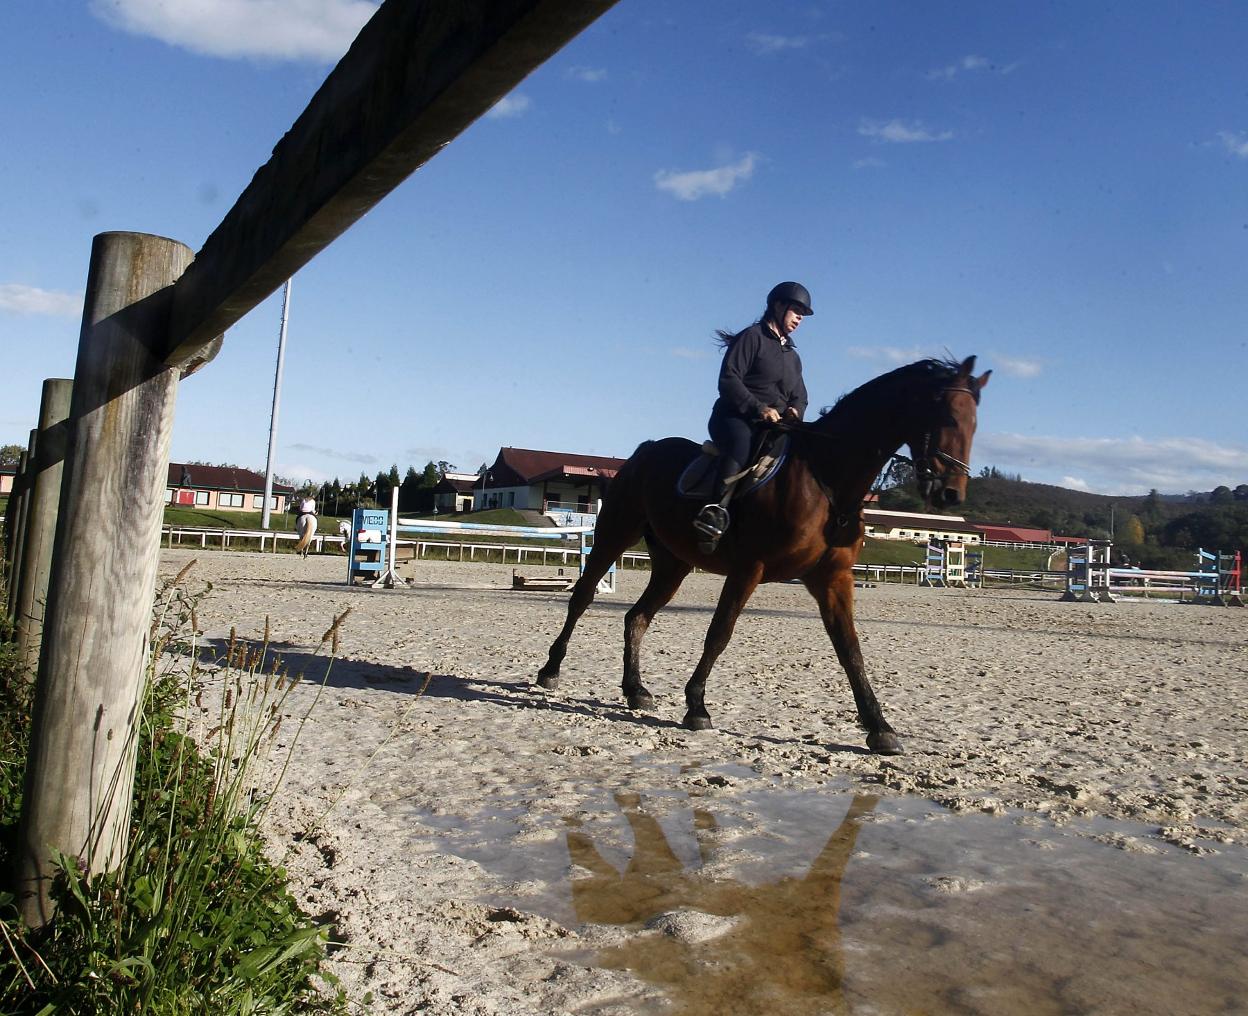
(833, 590)
(738, 587)
(667, 572)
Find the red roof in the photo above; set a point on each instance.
(1015, 534)
(528, 465)
(221, 478)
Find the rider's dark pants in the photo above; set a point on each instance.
(732, 435)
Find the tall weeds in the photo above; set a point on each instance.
(196, 920)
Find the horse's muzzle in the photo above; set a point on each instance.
(936, 494)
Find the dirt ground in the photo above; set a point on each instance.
(487, 847)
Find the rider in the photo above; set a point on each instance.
(760, 382)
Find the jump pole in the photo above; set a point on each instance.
(389, 578)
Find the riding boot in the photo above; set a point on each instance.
(712, 519)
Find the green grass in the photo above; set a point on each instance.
(900, 552)
(196, 920)
(283, 522)
(891, 552)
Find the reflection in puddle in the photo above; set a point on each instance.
(804, 903)
(782, 951)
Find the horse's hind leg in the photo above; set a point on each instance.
(667, 572)
(738, 587)
(611, 539)
(834, 592)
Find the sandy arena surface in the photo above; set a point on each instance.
(459, 837)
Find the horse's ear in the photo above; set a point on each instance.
(968, 365)
(983, 379)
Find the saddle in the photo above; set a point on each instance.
(768, 454)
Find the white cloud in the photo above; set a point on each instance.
(30, 300)
(510, 106)
(967, 63)
(767, 45)
(1016, 366)
(698, 183)
(1236, 144)
(1116, 465)
(900, 132)
(363, 458)
(591, 74)
(313, 30)
(887, 354)
(871, 162)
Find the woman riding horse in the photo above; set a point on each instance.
(760, 382)
(805, 524)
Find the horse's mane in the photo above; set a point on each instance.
(931, 373)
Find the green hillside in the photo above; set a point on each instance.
(1154, 530)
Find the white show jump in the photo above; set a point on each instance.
(384, 554)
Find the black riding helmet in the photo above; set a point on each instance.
(791, 292)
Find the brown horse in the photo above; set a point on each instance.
(805, 524)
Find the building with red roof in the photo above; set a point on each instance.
(228, 488)
(527, 478)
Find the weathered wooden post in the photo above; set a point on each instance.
(44, 487)
(92, 666)
(17, 534)
(417, 75)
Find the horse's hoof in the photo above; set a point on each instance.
(640, 700)
(697, 722)
(885, 742)
(548, 681)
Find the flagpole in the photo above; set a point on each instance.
(277, 404)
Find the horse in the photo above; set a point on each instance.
(305, 526)
(805, 524)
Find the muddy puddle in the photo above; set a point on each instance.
(791, 902)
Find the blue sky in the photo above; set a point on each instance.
(1059, 188)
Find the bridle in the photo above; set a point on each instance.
(928, 479)
(925, 474)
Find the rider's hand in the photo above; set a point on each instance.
(791, 414)
(769, 415)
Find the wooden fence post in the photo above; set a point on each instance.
(17, 533)
(80, 769)
(44, 492)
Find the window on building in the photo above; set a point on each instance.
(202, 496)
(230, 500)
(168, 495)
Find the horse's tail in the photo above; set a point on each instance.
(307, 530)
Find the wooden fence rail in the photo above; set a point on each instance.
(417, 76)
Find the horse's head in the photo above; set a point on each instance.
(942, 450)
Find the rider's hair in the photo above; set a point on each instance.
(725, 339)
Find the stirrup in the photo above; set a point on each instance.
(712, 521)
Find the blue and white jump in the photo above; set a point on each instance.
(375, 540)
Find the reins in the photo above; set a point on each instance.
(923, 471)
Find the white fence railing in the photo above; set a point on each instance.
(458, 550)
(223, 538)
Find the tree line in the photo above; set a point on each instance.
(1153, 530)
(334, 497)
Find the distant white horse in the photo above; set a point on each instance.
(305, 526)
